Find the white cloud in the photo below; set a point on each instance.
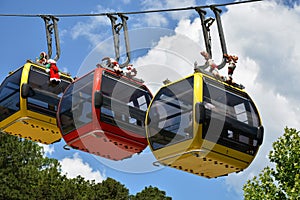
(155, 19)
(276, 111)
(162, 19)
(48, 149)
(152, 19)
(75, 166)
(194, 34)
(90, 29)
(180, 4)
(173, 58)
(268, 32)
(152, 4)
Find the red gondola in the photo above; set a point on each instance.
(103, 113)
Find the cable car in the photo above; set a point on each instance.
(103, 113)
(203, 126)
(28, 103)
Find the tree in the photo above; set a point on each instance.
(110, 189)
(151, 193)
(26, 174)
(283, 182)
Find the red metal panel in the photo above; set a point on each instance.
(108, 144)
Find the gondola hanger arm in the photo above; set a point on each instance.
(50, 29)
(116, 29)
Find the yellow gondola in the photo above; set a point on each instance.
(28, 103)
(203, 126)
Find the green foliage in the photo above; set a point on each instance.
(26, 174)
(283, 182)
(110, 189)
(151, 193)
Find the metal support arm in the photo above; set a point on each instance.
(206, 23)
(116, 28)
(217, 12)
(115, 31)
(205, 30)
(49, 31)
(126, 38)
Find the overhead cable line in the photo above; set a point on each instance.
(130, 13)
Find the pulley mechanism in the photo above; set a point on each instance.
(116, 29)
(51, 27)
(206, 24)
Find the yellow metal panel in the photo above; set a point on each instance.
(24, 79)
(198, 97)
(198, 88)
(227, 152)
(34, 130)
(10, 120)
(170, 151)
(209, 166)
(201, 161)
(43, 118)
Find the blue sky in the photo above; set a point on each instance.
(264, 35)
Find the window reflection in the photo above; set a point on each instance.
(170, 114)
(234, 110)
(124, 103)
(76, 104)
(10, 95)
(45, 96)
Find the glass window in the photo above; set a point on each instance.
(124, 103)
(76, 104)
(45, 96)
(234, 111)
(170, 115)
(10, 95)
